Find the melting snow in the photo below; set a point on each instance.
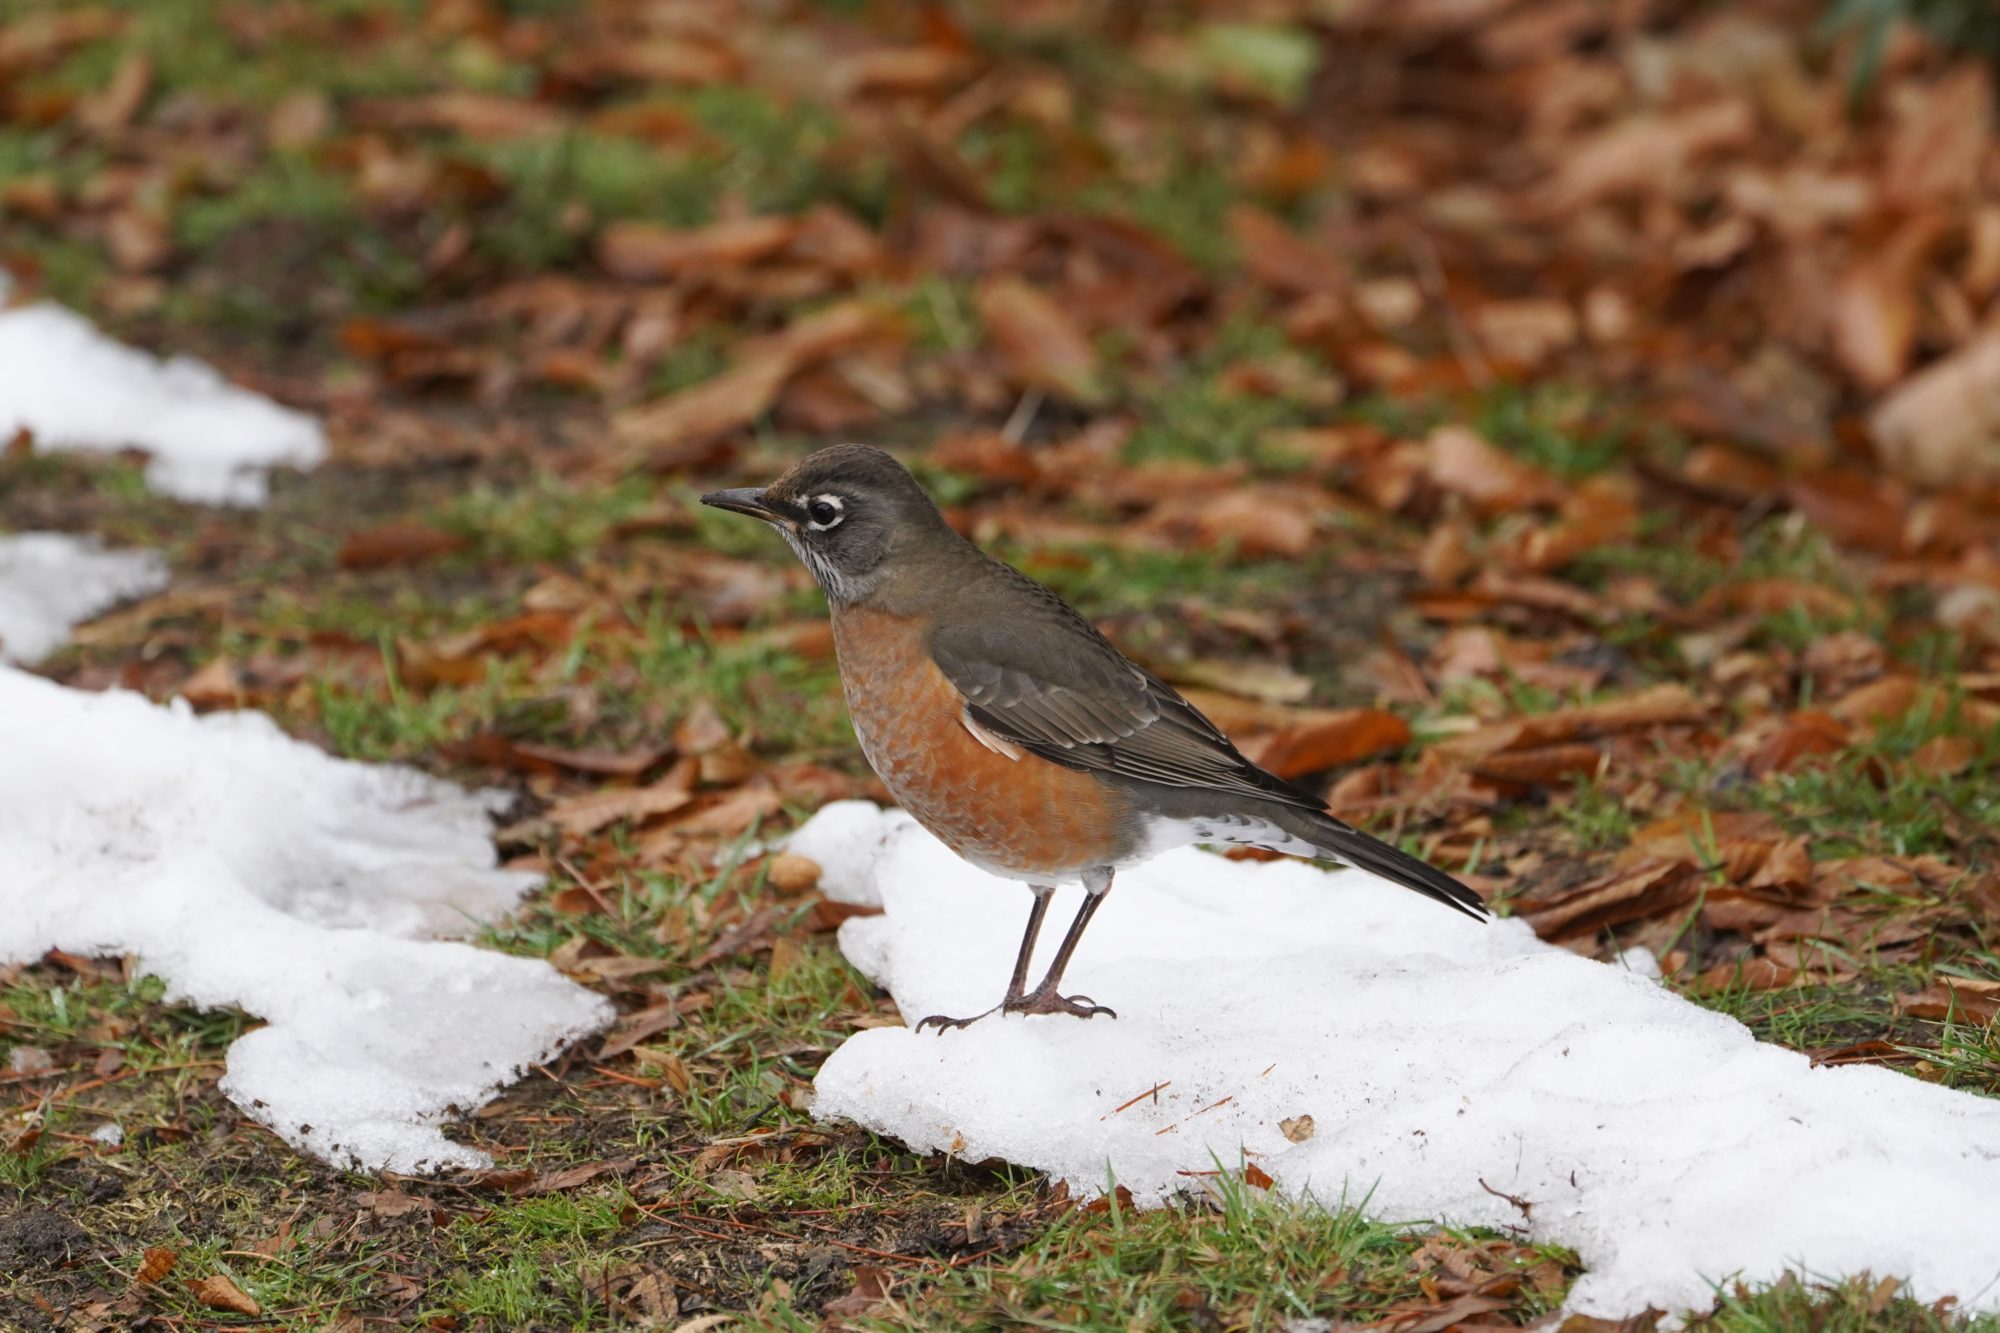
(1445, 1065)
(50, 582)
(250, 869)
(209, 442)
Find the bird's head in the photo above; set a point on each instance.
(849, 511)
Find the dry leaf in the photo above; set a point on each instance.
(871, 1287)
(580, 816)
(790, 873)
(158, 1263)
(220, 1292)
(396, 544)
(1954, 1000)
(216, 684)
(1462, 463)
(1041, 345)
(1278, 258)
(1942, 425)
(745, 392)
(647, 251)
(635, 1029)
(1328, 740)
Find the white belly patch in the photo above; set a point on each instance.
(1164, 834)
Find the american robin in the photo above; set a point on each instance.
(1015, 732)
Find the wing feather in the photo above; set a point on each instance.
(1048, 682)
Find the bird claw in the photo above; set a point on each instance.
(1041, 1002)
(1048, 1002)
(941, 1023)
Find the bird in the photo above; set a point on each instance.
(1012, 729)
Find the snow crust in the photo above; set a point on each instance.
(50, 582)
(208, 441)
(1445, 1065)
(250, 869)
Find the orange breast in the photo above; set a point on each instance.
(1024, 816)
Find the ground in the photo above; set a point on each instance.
(1433, 395)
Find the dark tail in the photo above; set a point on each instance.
(1343, 842)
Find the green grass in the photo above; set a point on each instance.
(1596, 816)
(1239, 1259)
(1554, 427)
(1872, 798)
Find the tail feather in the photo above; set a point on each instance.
(1343, 842)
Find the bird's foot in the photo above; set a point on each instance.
(1048, 1002)
(941, 1023)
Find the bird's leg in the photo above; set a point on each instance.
(1015, 988)
(1044, 999)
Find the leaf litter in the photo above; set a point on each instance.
(1701, 660)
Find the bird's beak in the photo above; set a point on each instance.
(746, 500)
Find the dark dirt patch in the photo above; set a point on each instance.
(40, 1238)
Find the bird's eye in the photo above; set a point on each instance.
(824, 511)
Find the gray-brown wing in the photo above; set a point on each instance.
(1043, 678)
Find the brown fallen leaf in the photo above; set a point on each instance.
(1662, 705)
(871, 1288)
(732, 814)
(1252, 520)
(1706, 837)
(1952, 999)
(1270, 682)
(902, 70)
(1041, 345)
(1327, 741)
(1807, 736)
(746, 391)
(1526, 332)
(647, 251)
(1875, 307)
(396, 544)
(1438, 1319)
(1601, 510)
(570, 1177)
(1942, 425)
(1279, 258)
(1941, 137)
(390, 1204)
(111, 110)
(215, 684)
(636, 1028)
(603, 763)
(790, 873)
(158, 1263)
(580, 816)
(1542, 765)
(1639, 152)
(1460, 462)
(827, 915)
(220, 1292)
(1945, 756)
(652, 1293)
(477, 115)
(1647, 889)
(701, 729)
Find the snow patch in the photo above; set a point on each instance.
(1446, 1065)
(250, 869)
(51, 582)
(209, 442)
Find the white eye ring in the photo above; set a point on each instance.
(814, 507)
